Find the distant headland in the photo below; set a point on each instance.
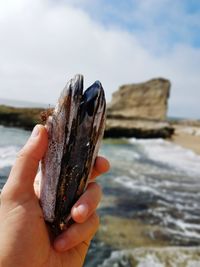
(25, 118)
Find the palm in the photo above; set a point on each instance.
(24, 236)
(35, 240)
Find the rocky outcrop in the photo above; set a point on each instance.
(140, 110)
(25, 118)
(138, 128)
(144, 100)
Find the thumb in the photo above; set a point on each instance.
(19, 185)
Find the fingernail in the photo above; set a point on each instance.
(35, 132)
(61, 244)
(81, 210)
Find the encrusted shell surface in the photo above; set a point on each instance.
(75, 130)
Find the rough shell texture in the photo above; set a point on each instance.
(75, 130)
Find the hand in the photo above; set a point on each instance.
(24, 236)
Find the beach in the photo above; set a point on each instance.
(188, 141)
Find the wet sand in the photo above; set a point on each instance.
(133, 234)
(188, 141)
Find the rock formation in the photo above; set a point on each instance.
(138, 128)
(25, 118)
(137, 110)
(146, 100)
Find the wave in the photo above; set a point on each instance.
(171, 154)
(154, 257)
(11, 140)
(8, 155)
(135, 185)
(175, 207)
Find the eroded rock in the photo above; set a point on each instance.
(144, 100)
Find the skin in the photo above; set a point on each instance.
(25, 239)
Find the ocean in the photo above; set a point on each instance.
(22, 104)
(150, 211)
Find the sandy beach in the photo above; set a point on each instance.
(188, 141)
(187, 137)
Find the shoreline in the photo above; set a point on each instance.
(187, 141)
(187, 137)
(185, 133)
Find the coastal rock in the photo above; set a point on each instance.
(25, 118)
(144, 100)
(116, 128)
(139, 110)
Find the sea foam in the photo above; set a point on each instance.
(171, 154)
(7, 155)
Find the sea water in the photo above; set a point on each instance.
(154, 181)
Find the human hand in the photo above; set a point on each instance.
(25, 240)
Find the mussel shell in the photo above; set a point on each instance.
(75, 130)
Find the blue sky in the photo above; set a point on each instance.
(45, 42)
(178, 19)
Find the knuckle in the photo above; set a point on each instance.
(94, 219)
(75, 233)
(100, 190)
(96, 190)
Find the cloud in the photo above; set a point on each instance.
(170, 21)
(44, 43)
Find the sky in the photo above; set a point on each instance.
(44, 43)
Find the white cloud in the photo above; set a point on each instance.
(43, 44)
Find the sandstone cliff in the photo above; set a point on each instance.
(140, 110)
(146, 100)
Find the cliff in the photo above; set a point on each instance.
(146, 100)
(24, 118)
(140, 110)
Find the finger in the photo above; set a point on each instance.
(77, 233)
(21, 178)
(101, 165)
(87, 203)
